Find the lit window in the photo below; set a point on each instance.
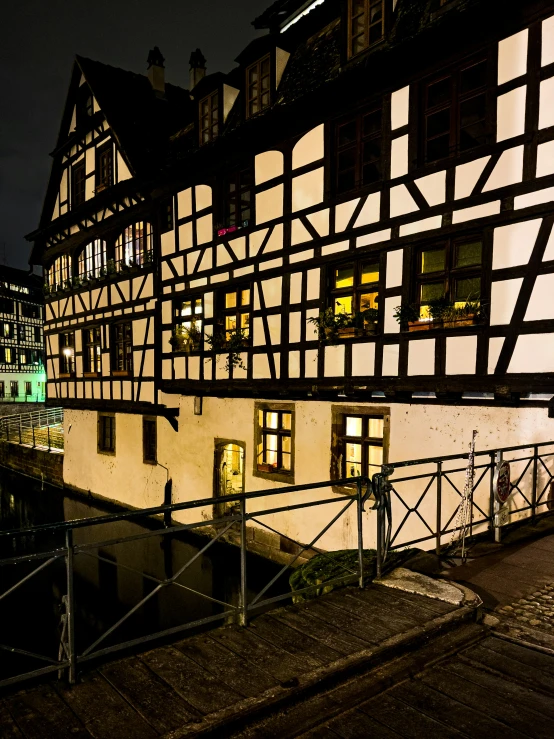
(134, 246)
(274, 440)
(359, 441)
(449, 278)
(8, 356)
(355, 292)
(236, 312)
(187, 335)
(92, 260)
(58, 274)
(92, 357)
(258, 87)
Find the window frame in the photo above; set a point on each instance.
(14, 386)
(338, 439)
(92, 260)
(456, 99)
(87, 369)
(238, 310)
(122, 349)
(256, 99)
(67, 361)
(358, 288)
(235, 198)
(146, 421)
(280, 474)
(134, 246)
(180, 320)
(102, 447)
(367, 25)
(103, 180)
(358, 146)
(210, 131)
(450, 274)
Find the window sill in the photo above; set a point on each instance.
(121, 373)
(278, 476)
(66, 375)
(107, 452)
(151, 462)
(91, 374)
(412, 326)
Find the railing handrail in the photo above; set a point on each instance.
(45, 414)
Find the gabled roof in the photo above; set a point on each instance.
(141, 121)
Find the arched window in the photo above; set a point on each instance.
(58, 273)
(92, 260)
(134, 246)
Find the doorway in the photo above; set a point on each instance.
(228, 475)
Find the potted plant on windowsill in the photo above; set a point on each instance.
(186, 338)
(466, 315)
(232, 342)
(333, 326)
(265, 467)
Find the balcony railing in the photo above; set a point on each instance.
(41, 429)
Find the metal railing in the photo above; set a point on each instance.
(38, 429)
(426, 503)
(73, 655)
(22, 398)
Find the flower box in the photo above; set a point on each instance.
(266, 468)
(419, 325)
(468, 320)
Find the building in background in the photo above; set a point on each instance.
(337, 254)
(22, 366)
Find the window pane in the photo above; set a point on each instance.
(344, 304)
(432, 291)
(469, 289)
(438, 123)
(474, 77)
(286, 421)
(286, 461)
(374, 458)
(231, 300)
(370, 273)
(347, 133)
(438, 148)
(433, 261)
(230, 323)
(271, 442)
(468, 254)
(261, 418)
(353, 426)
(353, 460)
(245, 297)
(244, 320)
(369, 300)
(272, 420)
(286, 444)
(375, 428)
(439, 93)
(372, 123)
(344, 276)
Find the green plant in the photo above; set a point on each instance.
(329, 323)
(230, 342)
(438, 308)
(186, 338)
(76, 282)
(110, 267)
(406, 313)
(148, 258)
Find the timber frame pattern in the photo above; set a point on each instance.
(499, 192)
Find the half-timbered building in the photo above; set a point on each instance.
(22, 373)
(339, 253)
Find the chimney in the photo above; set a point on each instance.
(197, 63)
(156, 71)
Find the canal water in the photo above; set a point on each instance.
(106, 588)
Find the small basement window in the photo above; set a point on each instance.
(106, 433)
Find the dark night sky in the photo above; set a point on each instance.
(39, 41)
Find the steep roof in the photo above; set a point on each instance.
(141, 121)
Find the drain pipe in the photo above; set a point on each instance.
(168, 496)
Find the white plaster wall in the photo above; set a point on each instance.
(416, 431)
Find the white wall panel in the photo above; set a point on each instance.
(269, 204)
(260, 367)
(504, 295)
(203, 196)
(238, 247)
(533, 353)
(391, 353)
(400, 108)
(511, 114)
(294, 364)
(538, 197)
(508, 171)
(275, 241)
(545, 159)
(495, 347)
(541, 304)
(370, 212)
(204, 229)
(373, 238)
(310, 148)
(256, 240)
(343, 214)
(547, 41)
(274, 325)
(399, 157)
(294, 326)
(334, 248)
(310, 363)
(546, 110)
(421, 357)
(394, 268)
(467, 176)
(401, 202)
(320, 221)
(433, 188)
(334, 361)
(416, 227)
(268, 164)
(272, 290)
(513, 244)
(184, 203)
(185, 236)
(313, 284)
(167, 243)
(512, 57)
(296, 287)
(461, 355)
(363, 359)
(478, 211)
(391, 324)
(308, 189)
(299, 233)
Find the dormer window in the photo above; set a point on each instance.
(366, 24)
(209, 118)
(258, 86)
(104, 166)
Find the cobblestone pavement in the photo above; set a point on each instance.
(536, 610)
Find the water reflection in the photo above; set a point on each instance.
(107, 585)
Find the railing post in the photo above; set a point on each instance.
(360, 509)
(48, 431)
(72, 656)
(243, 614)
(34, 444)
(491, 492)
(20, 429)
(498, 457)
(535, 482)
(378, 492)
(439, 509)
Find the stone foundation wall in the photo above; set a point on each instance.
(17, 409)
(37, 463)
